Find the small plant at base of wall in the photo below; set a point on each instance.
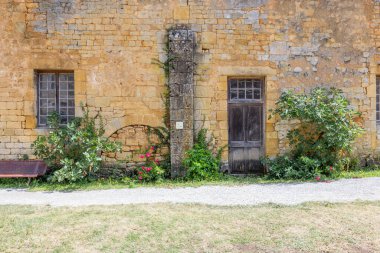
(151, 171)
(200, 161)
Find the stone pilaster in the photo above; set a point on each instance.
(181, 82)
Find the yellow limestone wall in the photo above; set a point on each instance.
(111, 44)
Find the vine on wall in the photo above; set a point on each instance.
(166, 65)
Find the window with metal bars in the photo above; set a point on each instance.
(55, 94)
(245, 90)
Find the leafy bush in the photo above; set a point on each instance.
(73, 151)
(302, 167)
(200, 162)
(325, 133)
(350, 163)
(151, 171)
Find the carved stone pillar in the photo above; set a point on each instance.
(181, 82)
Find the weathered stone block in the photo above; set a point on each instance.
(30, 122)
(181, 12)
(209, 38)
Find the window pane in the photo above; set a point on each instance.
(62, 77)
(51, 110)
(63, 86)
(234, 94)
(249, 94)
(233, 83)
(51, 103)
(43, 86)
(241, 94)
(52, 85)
(71, 111)
(66, 97)
(52, 93)
(43, 111)
(63, 103)
(63, 94)
(257, 83)
(71, 85)
(241, 84)
(43, 77)
(63, 111)
(42, 120)
(43, 103)
(51, 77)
(256, 94)
(46, 96)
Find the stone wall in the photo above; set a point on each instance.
(111, 44)
(136, 140)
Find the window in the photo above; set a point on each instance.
(378, 99)
(245, 90)
(55, 94)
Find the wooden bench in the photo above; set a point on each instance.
(15, 169)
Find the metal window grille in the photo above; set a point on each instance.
(245, 89)
(55, 94)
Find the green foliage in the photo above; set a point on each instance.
(23, 157)
(200, 162)
(162, 147)
(350, 163)
(73, 151)
(163, 133)
(324, 135)
(302, 167)
(151, 171)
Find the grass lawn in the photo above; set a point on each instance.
(352, 227)
(38, 185)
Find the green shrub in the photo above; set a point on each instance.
(150, 173)
(200, 162)
(350, 163)
(302, 167)
(73, 151)
(323, 137)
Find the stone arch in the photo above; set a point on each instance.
(115, 124)
(135, 140)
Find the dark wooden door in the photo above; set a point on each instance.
(245, 120)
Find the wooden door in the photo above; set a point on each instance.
(245, 121)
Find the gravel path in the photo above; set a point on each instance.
(287, 194)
